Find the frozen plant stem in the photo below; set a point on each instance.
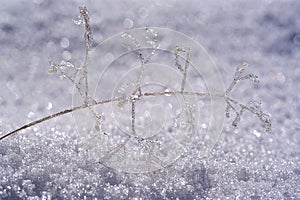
(56, 115)
(234, 106)
(146, 94)
(133, 117)
(152, 40)
(117, 99)
(184, 70)
(88, 37)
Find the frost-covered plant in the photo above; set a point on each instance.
(69, 71)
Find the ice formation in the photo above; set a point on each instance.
(47, 161)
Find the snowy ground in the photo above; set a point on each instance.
(246, 163)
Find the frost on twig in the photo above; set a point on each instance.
(184, 119)
(239, 76)
(132, 44)
(152, 40)
(66, 70)
(253, 107)
(83, 18)
(82, 84)
(184, 70)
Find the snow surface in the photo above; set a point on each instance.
(246, 163)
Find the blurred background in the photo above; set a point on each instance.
(246, 163)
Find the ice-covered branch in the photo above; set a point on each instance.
(69, 71)
(239, 75)
(253, 106)
(184, 69)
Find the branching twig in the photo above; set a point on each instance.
(116, 99)
(184, 70)
(239, 75)
(137, 91)
(254, 106)
(88, 102)
(56, 115)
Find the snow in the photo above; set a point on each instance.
(47, 161)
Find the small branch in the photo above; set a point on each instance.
(184, 70)
(55, 115)
(153, 41)
(89, 102)
(118, 99)
(42, 120)
(200, 94)
(263, 116)
(88, 36)
(253, 107)
(133, 117)
(140, 76)
(239, 75)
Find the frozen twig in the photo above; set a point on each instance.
(133, 117)
(239, 75)
(88, 37)
(62, 67)
(69, 71)
(83, 18)
(253, 106)
(66, 111)
(264, 117)
(184, 69)
(151, 40)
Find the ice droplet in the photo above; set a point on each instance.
(204, 126)
(150, 30)
(77, 21)
(66, 64)
(257, 133)
(167, 92)
(49, 106)
(124, 35)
